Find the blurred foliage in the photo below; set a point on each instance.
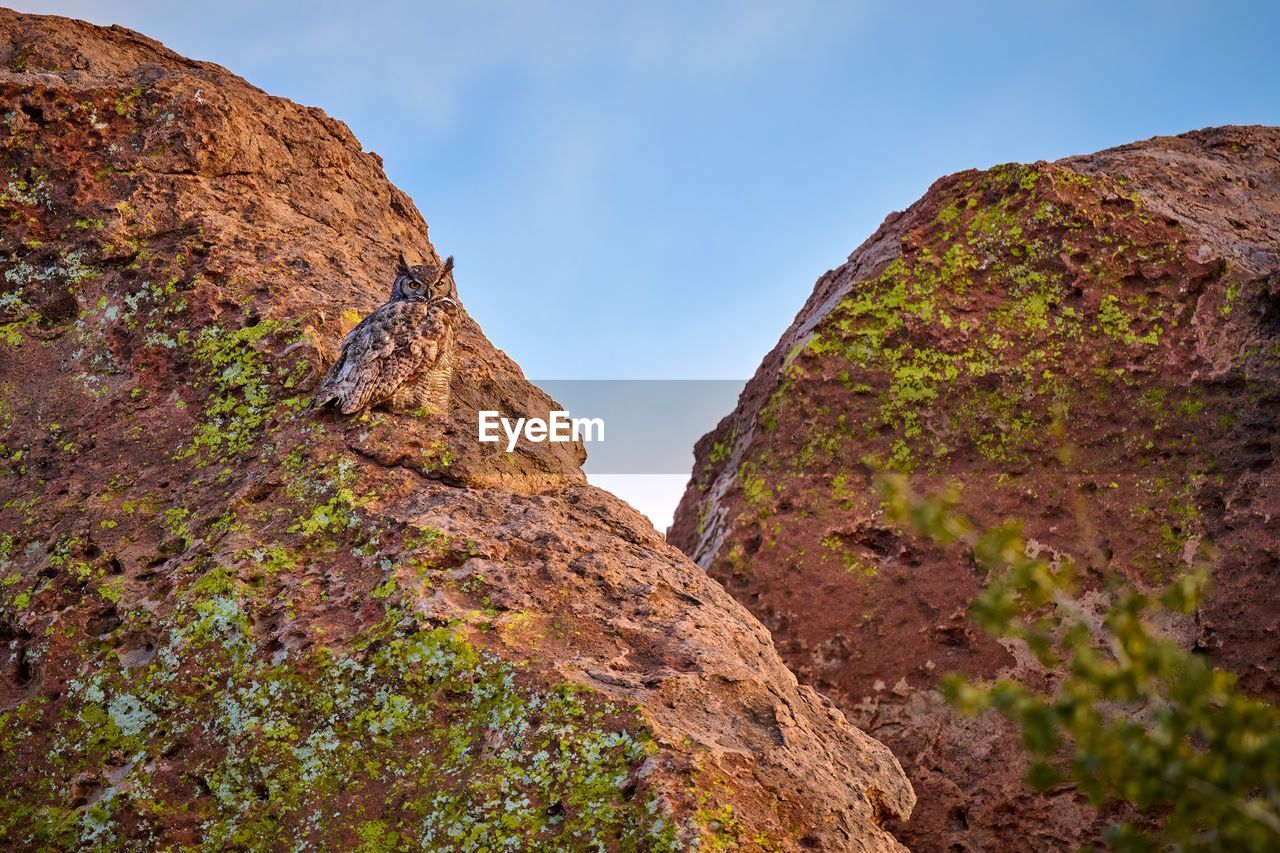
(1131, 715)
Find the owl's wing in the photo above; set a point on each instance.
(390, 345)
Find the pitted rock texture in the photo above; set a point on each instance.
(1091, 347)
(231, 622)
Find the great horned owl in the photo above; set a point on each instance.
(401, 355)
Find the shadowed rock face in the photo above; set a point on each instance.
(228, 621)
(1089, 346)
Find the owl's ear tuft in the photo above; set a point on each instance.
(446, 269)
(402, 266)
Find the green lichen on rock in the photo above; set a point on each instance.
(240, 377)
(325, 493)
(417, 732)
(1006, 232)
(1033, 298)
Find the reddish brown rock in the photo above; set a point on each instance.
(227, 620)
(1089, 346)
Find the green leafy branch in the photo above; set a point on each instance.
(1131, 715)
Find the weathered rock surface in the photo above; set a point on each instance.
(1090, 346)
(228, 622)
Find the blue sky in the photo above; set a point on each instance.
(649, 190)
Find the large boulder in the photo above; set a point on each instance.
(233, 622)
(1091, 347)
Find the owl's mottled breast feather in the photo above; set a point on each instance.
(395, 342)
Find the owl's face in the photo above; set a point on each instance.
(423, 281)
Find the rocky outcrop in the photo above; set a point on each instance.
(230, 621)
(1090, 346)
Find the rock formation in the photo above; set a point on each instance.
(230, 621)
(1090, 346)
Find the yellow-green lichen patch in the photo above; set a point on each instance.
(1014, 322)
(243, 380)
(325, 493)
(418, 734)
(834, 546)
